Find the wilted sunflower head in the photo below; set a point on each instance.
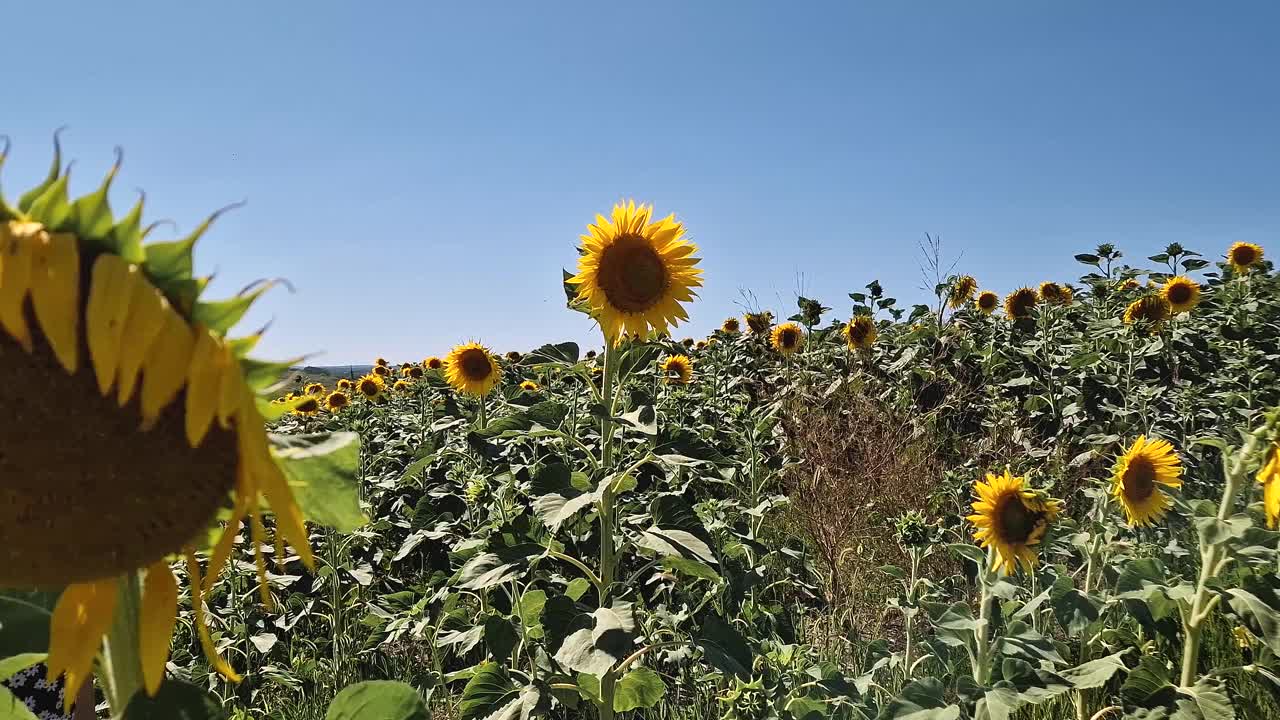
(700, 345)
(118, 335)
(634, 274)
(1269, 478)
(314, 389)
(787, 338)
(513, 356)
(382, 371)
(1242, 256)
(678, 369)
(759, 323)
(1018, 304)
(1149, 311)
(433, 363)
(591, 354)
(860, 332)
(402, 386)
(344, 385)
(1051, 292)
(371, 386)
(529, 386)
(336, 400)
(470, 368)
(380, 361)
(961, 291)
(1182, 293)
(308, 406)
(730, 326)
(1011, 518)
(687, 342)
(1147, 464)
(987, 302)
(415, 372)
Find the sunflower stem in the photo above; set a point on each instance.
(123, 669)
(606, 510)
(484, 420)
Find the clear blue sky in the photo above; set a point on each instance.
(421, 171)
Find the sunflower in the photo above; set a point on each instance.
(1182, 292)
(591, 354)
(1018, 304)
(529, 386)
(1068, 295)
(119, 335)
(701, 345)
(471, 369)
(402, 386)
(860, 332)
(381, 371)
(1242, 256)
(1051, 292)
(678, 369)
(759, 323)
(962, 291)
(433, 363)
(687, 342)
(380, 361)
(730, 326)
(1138, 472)
(344, 385)
(1011, 518)
(1269, 477)
(371, 386)
(987, 302)
(308, 406)
(1151, 310)
(336, 401)
(634, 273)
(1128, 284)
(415, 372)
(787, 338)
(314, 389)
(513, 356)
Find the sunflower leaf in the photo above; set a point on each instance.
(322, 470)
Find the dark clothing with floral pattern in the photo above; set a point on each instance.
(44, 699)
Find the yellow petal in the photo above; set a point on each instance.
(202, 629)
(146, 317)
(269, 479)
(222, 549)
(230, 388)
(258, 535)
(165, 369)
(106, 312)
(15, 280)
(158, 616)
(55, 294)
(203, 377)
(80, 619)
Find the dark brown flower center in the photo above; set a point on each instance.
(987, 301)
(369, 387)
(1017, 521)
(475, 364)
(1244, 255)
(632, 275)
(1139, 479)
(1179, 293)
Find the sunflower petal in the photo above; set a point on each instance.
(202, 628)
(165, 369)
(146, 318)
(15, 280)
(105, 315)
(55, 295)
(80, 620)
(159, 615)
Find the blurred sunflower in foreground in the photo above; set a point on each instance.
(634, 273)
(1269, 478)
(1138, 473)
(120, 333)
(1012, 519)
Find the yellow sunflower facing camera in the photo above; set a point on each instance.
(1182, 294)
(1019, 303)
(1242, 256)
(787, 338)
(1138, 475)
(860, 332)
(987, 302)
(678, 370)
(470, 368)
(1012, 519)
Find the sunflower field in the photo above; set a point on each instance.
(1053, 501)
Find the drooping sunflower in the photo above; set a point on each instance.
(1051, 292)
(1018, 304)
(471, 369)
(513, 356)
(987, 302)
(1269, 477)
(730, 326)
(678, 369)
(371, 386)
(687, 342)
(344, 385)
(787, 338)
(120, 334)
(634, 274)
(962, 291)
(1012, 518)
(591, 354)
(1148, 310)
(700, 345)
(1242, 256)
(1147, 464)
(380, 361)
(415, 372)
(382, 371)
(759, 323)
(309, 405)
(529, 386)
(336, 401)
(860, 332)
(433, 363)
(402, 386)
(1182, 292)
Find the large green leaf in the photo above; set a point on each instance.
(11, 708)
(565, 353)
(923, 699)
(24, 621)
(1257, 604)
(378, 700)
(723, 648)
(1095, 673)
(490, 695)
(498, 566)
(599, 641)
(639, 688)
(548, 414)
(322, 471)
(178, 700)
